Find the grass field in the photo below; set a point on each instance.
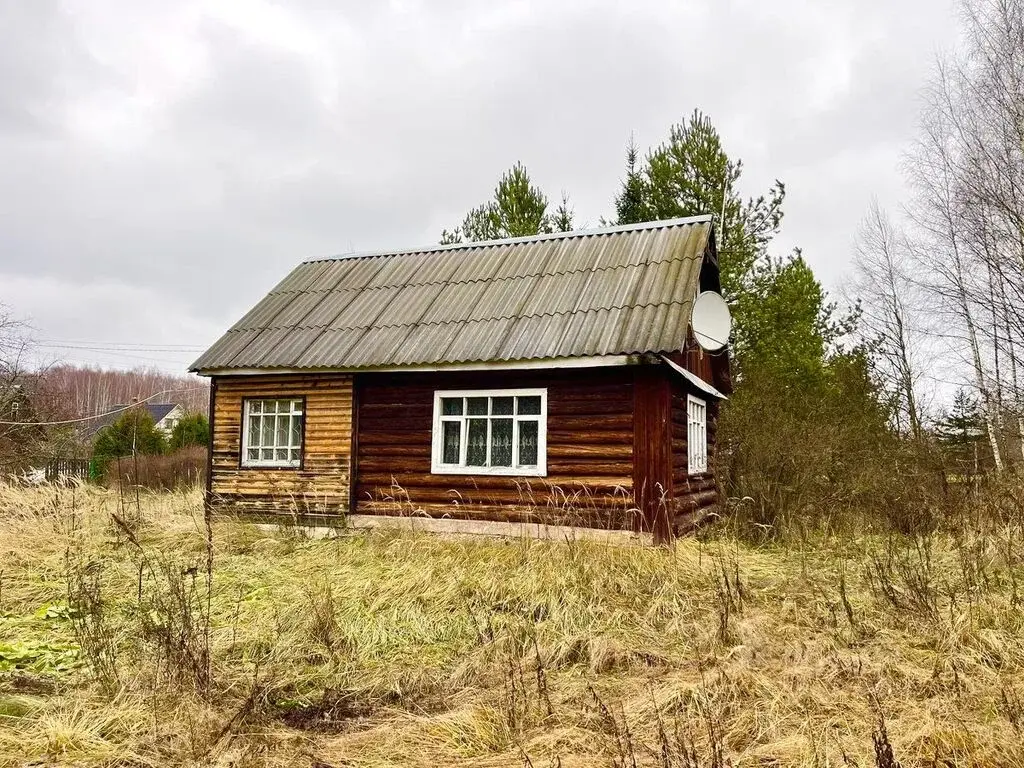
(400, 649)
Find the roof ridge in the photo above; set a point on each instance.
(574, 233)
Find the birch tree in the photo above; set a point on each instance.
(968, 172)
(885, 291)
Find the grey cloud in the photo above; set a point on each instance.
(190, 156)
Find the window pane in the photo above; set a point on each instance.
(529, 405)
(476, 442)
(296, 406)
(477, 406)
(502, 406)
(528, 443)
(296, 437)
(451, 406)
(282, 430)
(501, 442)
(282, 454)
(293, 455)
(254, 431)
(255, 406)
(253, 454)
(450, 441)
(267, 454)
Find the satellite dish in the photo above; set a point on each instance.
(711, 321)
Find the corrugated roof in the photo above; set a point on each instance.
(612, 291)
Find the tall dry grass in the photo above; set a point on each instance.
(396, 649)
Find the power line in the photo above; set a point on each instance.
(97, 416)
(119, 349)
(118, 344)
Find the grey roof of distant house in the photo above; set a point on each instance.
(618, 290)
(157, 410)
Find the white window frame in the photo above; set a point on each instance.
(437, 467)
(274, 463)
(696, 435)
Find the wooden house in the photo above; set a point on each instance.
(165, 417)
(550, 379)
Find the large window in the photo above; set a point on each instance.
(272, 433)
(697, 434)
(490, 432)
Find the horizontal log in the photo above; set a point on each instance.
(466, 483)
(602, 450)
(283, 508)
(600, 406)
(575, 386)
(383, 412)
(419, 437)
(570, 438)
(493, 497)
(373, 450)
(695, 501)
(576, 467)
(608, 422)
(609, 520)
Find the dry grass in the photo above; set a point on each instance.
(387, 649)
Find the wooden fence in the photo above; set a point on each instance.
(67, 469)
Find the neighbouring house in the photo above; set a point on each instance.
(165, 417)
(551, 378)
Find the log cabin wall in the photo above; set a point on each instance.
(652, 448)
(589, 449)
(321, 485)
(692, 494)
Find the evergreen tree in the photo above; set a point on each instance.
(631, 204)
(789, 325)
(133, 432)
(961, 431)
(518, 209)
(562, 220)
(691, 174)
(193, 429)
(963, 424)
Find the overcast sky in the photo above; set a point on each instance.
(163, 164)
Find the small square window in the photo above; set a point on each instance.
(272, 433)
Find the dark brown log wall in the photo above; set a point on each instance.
(692, 494)
(321, 485)
(652, 447)
(589, 449)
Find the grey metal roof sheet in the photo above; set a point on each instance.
(619, 290)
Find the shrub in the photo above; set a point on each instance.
(134, 432)
(175, 470)
(193, 429)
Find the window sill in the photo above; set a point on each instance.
(490, 471)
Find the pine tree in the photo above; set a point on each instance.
(518, 209)
(691, 174)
